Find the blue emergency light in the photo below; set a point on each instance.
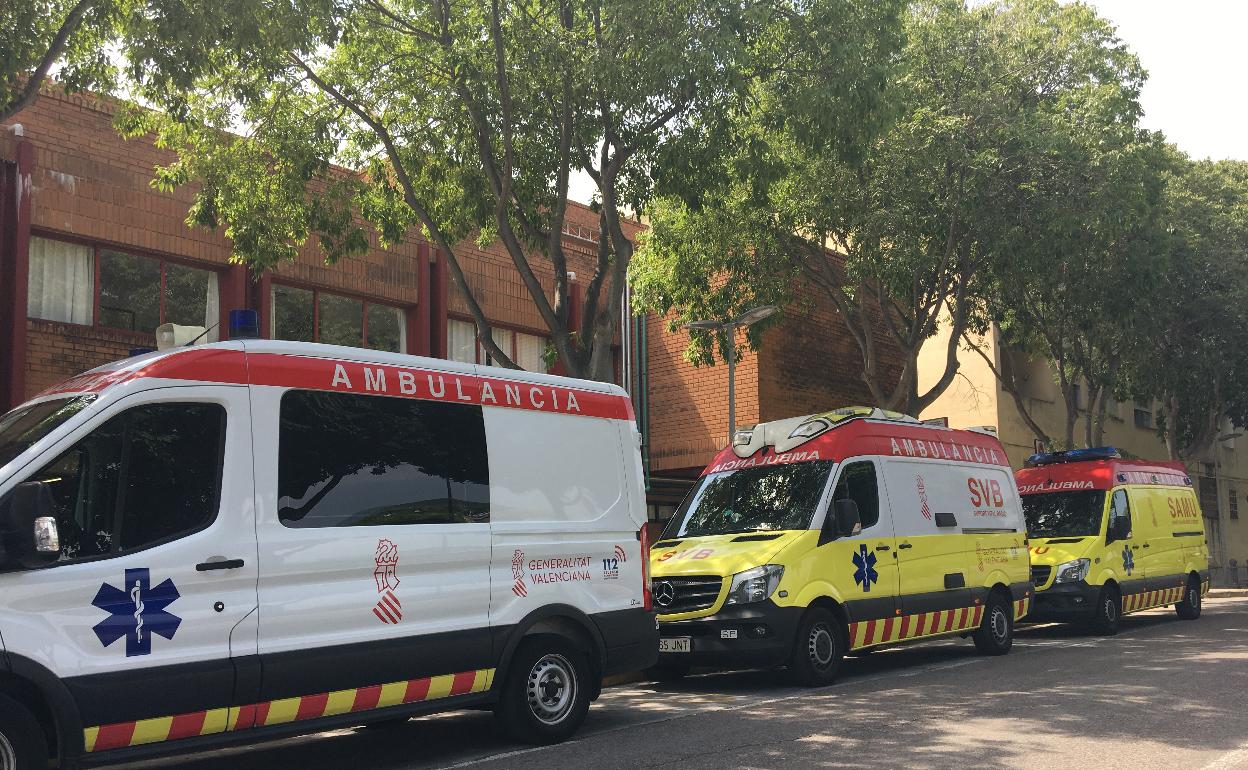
(1073, 456)
(244, 324)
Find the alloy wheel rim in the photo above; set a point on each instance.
(8, 757)
(551, 689)
(820, 646)
(1000, 625)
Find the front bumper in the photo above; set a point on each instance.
(1064, 602)
(759, 634)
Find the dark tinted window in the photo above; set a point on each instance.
(148, 475)
(858, 483)
(129, 292)
(27, 424)
(348, 460)
(773, 497)
(1064, 514)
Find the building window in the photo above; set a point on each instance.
(526, 350)
(1233, 508)
(1143, 415)
(307, 315)
(131, 292)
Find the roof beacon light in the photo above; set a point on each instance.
(1073, 456)
(244, 324)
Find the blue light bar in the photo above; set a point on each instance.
(244, 325)
(1073, 456)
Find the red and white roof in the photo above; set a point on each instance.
(854, 432)
(355, 370)
(1100, 474)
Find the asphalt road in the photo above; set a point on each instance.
(1163, 693)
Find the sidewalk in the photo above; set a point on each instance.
(1228, 593)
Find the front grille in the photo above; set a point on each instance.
(1040, 574)
(685, 594)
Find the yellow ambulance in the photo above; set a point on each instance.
(1111, 536)
(815, 536)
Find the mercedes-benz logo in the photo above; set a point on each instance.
(664, 593)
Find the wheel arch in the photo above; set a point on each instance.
(44, 695)
(838, 611)
(561, 620)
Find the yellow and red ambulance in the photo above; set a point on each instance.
(819, 535)
(1110, 537)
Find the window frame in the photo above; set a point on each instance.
(482, 355)
(842, 468)
(365, 303)
(97, 250)
(119, 408)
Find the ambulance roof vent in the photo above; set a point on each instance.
(1073, 456)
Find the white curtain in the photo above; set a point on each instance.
(461, 341)
(529, 351)
(62, 278)
(212, 310)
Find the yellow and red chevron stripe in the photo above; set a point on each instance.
(1021, 606)
(1150, 599)
(885, 630)
(124, 734)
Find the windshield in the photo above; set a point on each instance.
(774, 497)
(1064, 514)
(25, 425)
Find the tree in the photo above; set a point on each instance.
(463, 118)
(896, 232)
(39, 36)
(1196, 362)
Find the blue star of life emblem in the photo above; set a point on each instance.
(1128, 559)
(136, 611)
(865, 575)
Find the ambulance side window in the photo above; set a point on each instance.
(1119, 515)
(348, 460)
(858, 483)
(146, 476)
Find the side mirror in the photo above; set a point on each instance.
(28, 531)
(842, 521)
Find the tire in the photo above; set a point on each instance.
(669, 672)
(818, 649)
(1108, 613)
(1188, 607)
(545, 695)
(995, 635)
(22, 743)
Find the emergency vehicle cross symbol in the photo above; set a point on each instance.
(136, 611)
(865, 575)
(1128, 559)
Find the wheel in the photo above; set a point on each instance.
(1189, 607)
(22, 744)
(668, 672)
(995, 635)
(818, 649)
(1108, 612)
(546, 693)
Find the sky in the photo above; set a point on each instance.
(1196, 54)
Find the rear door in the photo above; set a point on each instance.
(374, 540)
(153, 600)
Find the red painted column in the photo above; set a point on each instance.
(262, 301)
(418, 317)
(438, 307)
(233, 295)
(15, 266)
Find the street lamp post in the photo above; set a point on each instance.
(746, 319)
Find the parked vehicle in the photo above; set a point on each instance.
(841, 532)
(237, 541)
(1111, 536)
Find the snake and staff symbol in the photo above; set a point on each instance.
(136, 595)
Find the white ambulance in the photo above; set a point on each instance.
(237, 541)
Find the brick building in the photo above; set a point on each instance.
(92, 259)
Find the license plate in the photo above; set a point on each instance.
(678, 644)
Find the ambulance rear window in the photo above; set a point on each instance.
(26, 425)
(774, 497)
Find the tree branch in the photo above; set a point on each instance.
(30, 93)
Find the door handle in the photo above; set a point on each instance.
(881, 548)
(1146, 545)
(905, 545)
(209, 566)
(1135, 548)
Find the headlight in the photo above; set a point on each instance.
(1072, 571)
(754, 585)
